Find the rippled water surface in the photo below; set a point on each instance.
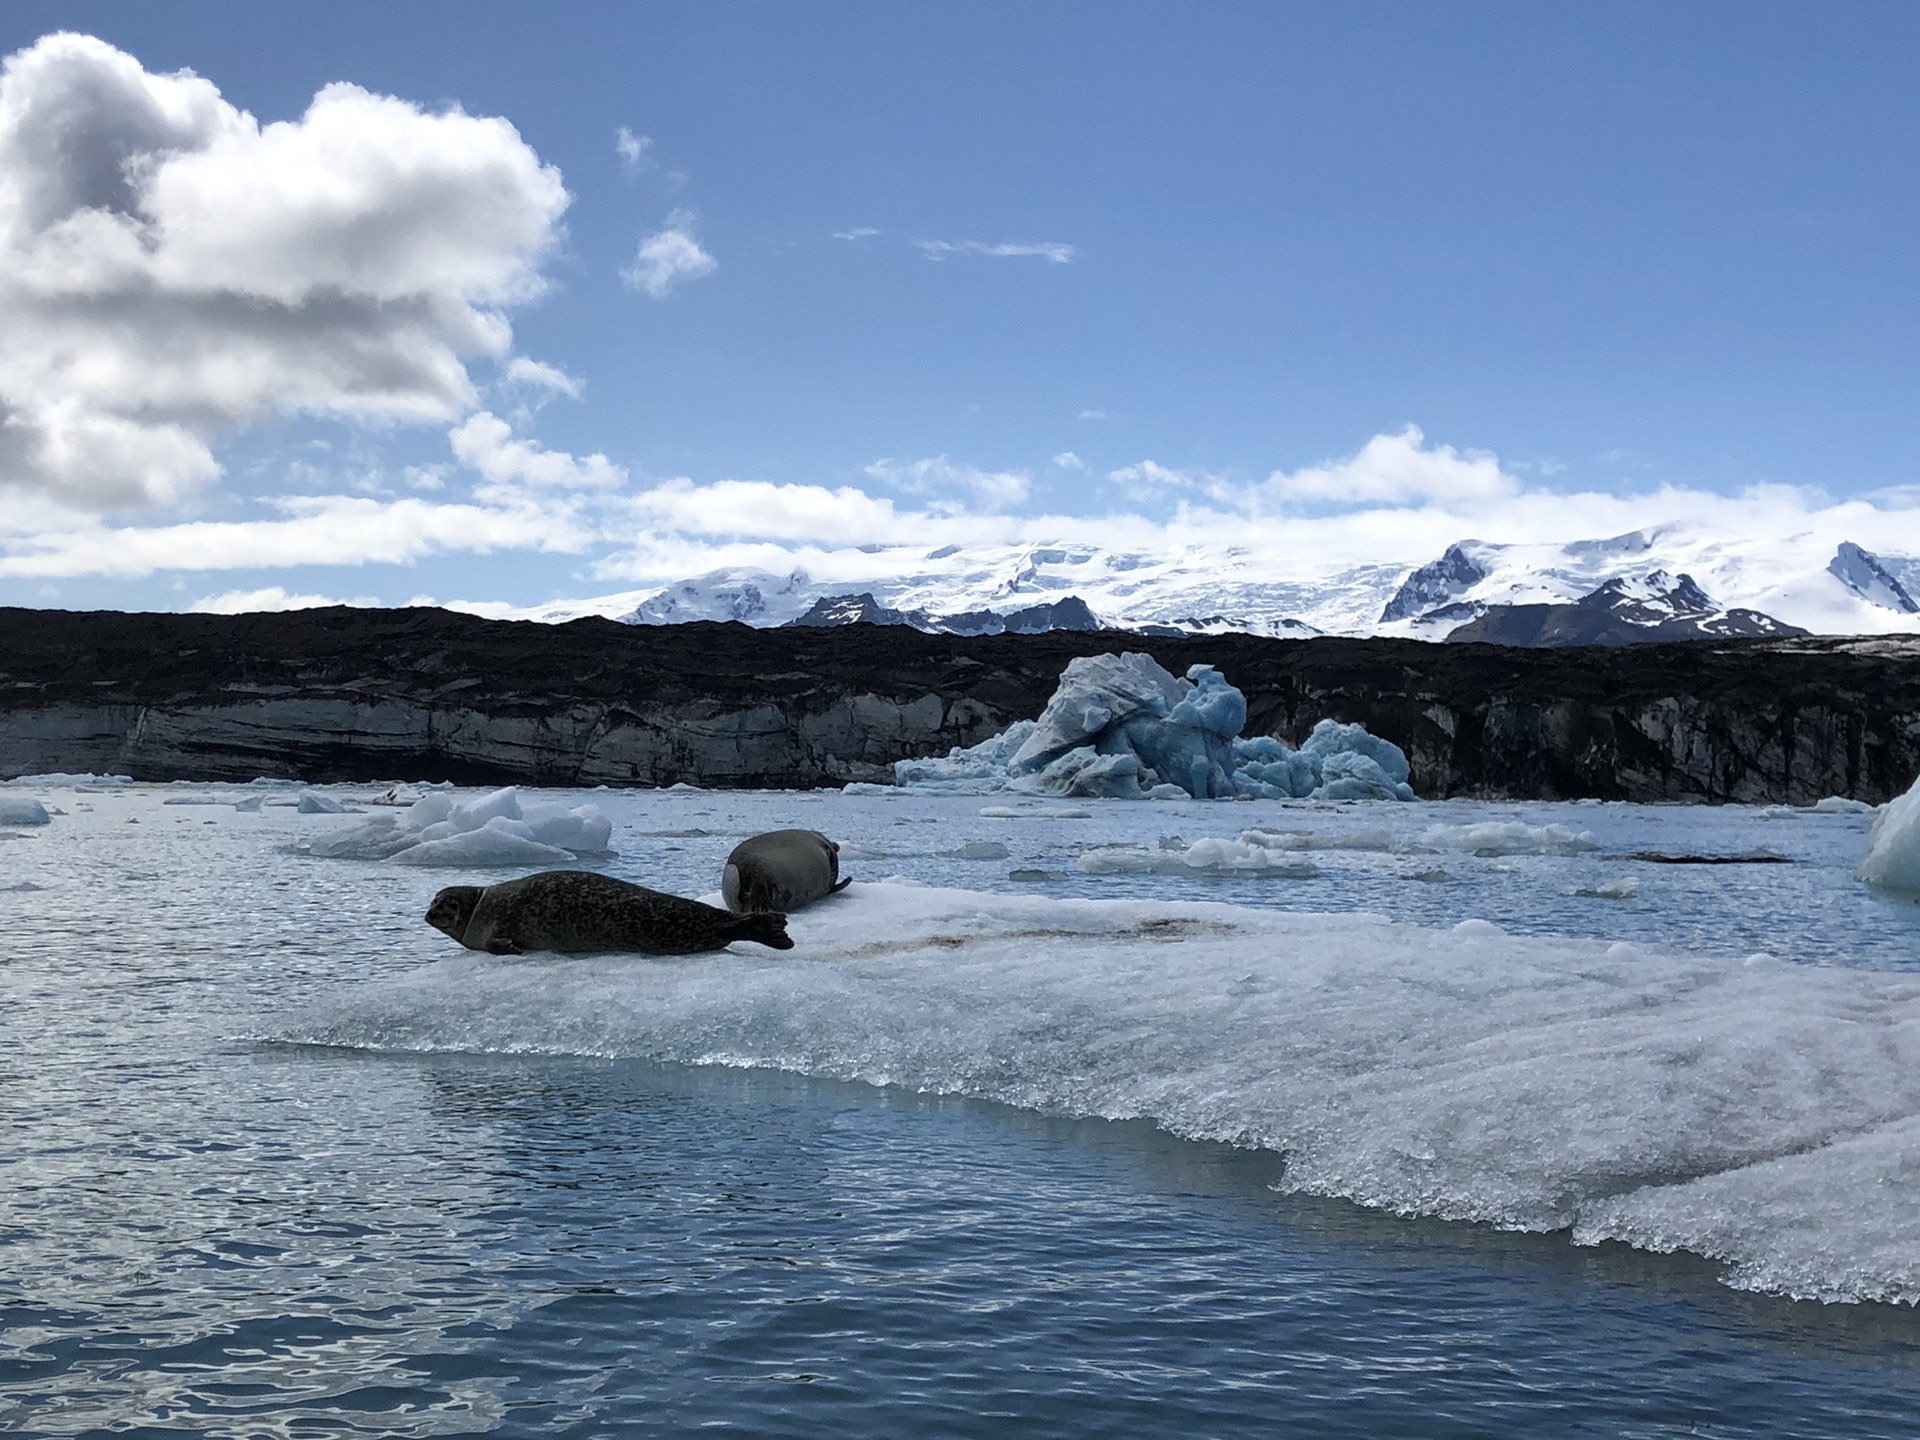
(208, 1228)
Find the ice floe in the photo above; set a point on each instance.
(1509, 837)
(496, 829)
(1121, 727)
(1763, 1113)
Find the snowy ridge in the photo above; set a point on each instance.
(1805, 581)
(1759, 1112)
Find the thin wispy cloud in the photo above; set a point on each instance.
(635, 151)
(542, 376)
(861, 232)
(669, 256)
(1067, 460)
(1053, 252)
(1093, 414)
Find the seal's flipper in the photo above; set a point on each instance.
(841, 886)
(503, 947)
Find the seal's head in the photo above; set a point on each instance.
(452, 908)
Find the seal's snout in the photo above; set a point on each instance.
(764, 927)
(452, 908)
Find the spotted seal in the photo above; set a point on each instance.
(577, 911)
(781, 870)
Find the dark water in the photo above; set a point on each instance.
(208, 1235)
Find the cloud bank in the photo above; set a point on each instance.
(171, 269)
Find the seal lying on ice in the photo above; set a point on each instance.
(781, 870)
(579, 912)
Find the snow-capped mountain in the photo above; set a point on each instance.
(1803, 581)
(1624, 611)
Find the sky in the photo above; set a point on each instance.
(489, 302)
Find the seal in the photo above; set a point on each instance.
(781, 870)
(579, 912)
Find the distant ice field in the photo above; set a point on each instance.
(240, 1076)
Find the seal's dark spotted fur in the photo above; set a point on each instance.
(579, 912)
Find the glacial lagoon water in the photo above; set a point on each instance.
(1068, 1154)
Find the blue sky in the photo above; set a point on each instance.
(1634, 251)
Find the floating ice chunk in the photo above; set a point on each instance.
(251, 805)
(536, 833)
(1478, 929)
(1317, 840)
(1213, 856)
(1621, 887)
(1892, 861)
(376, 839)
(496, 843)
(193, 800)
(1346, 775)
(273, 782)
(22, 810)
(583, 829)
(1509, 837)
(980, 850)
(1841, 805)
(63, 780)
(312, 802)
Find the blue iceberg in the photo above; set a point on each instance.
(1122, 727)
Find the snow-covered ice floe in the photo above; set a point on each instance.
(1121, 727)
(1759, 1112)
(493, 830)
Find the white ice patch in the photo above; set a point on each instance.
(312, 802)
(22, 810)
(1764, 1113)
(495, 829)
(1508, 837)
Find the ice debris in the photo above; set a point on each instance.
(22, 810)
(495, 829)
(1892, 861)
(1121, 727)
(62, 780)
(1215, 856)
(312, 802)
(1508, 837)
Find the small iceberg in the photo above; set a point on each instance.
(1892, 861)
(23, 810)
(493, 830)
(1121, 727)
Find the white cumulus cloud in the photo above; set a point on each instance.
(1398, 469)
(171, 268)
(669, 256)
(508, 465)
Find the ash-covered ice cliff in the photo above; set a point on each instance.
(346, 694)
